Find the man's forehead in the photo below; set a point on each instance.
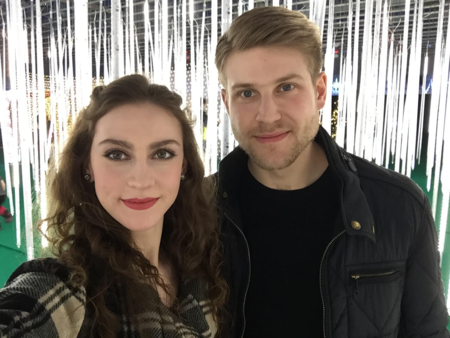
(260, 65)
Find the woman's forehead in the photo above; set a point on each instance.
(139, 123)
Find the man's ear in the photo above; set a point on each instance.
(224, 95)
(321, 90)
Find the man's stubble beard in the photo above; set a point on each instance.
(303, 139)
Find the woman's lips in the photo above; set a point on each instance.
(140, 204)
(271, 138)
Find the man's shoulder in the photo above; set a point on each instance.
(386, 182)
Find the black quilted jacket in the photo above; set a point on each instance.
(379, 279)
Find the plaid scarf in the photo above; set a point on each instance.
(39, 301)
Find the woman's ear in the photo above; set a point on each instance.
(89, 174)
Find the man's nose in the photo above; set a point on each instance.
(267, 110)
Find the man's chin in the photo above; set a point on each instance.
(275, 162)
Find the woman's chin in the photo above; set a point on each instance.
(139, 225)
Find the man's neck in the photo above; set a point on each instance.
(306, 169)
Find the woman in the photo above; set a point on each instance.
(136, 245)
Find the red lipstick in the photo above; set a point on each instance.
(271, 138)
(140, 204)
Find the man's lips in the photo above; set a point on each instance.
(140, 203)
(271, 138)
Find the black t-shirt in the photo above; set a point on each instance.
(287, 232)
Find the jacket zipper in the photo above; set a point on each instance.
(320, 279)
(356, 277)
(249, 273)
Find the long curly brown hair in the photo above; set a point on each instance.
(97, 248)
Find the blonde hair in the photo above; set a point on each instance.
(271, 27)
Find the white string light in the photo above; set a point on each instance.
(367, 124)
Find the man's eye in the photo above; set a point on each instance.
(116, 155)
(247, 93)
(287, 87)
(163, 154)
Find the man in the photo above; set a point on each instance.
(317, 242)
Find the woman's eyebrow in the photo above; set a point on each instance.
(121, 143)
(128, 145)
(163, 143)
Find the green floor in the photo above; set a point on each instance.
(10, 255)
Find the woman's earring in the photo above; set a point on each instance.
(87, 177)
(183, 176)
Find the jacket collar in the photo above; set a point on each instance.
(231, 169)
(353, 202)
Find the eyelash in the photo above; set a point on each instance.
(285, 84)
(112, 151)
(280, 87)
(242, 92)
(168, 151)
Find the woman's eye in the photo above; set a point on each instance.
(163, 154)
(116, 155)
(247, 93)
(287, 87)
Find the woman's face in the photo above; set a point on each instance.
(136, 163)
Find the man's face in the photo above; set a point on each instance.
(273, 104)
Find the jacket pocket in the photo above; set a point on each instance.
(374, 298)
(376, 276)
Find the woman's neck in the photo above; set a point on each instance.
(148, 243)
(170, 277)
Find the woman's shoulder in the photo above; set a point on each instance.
(39, 300)
(39, 277)
(50, 266)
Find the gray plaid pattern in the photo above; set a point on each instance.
(38, 301)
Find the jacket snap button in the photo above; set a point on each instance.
(356, 225)
(225, 195)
